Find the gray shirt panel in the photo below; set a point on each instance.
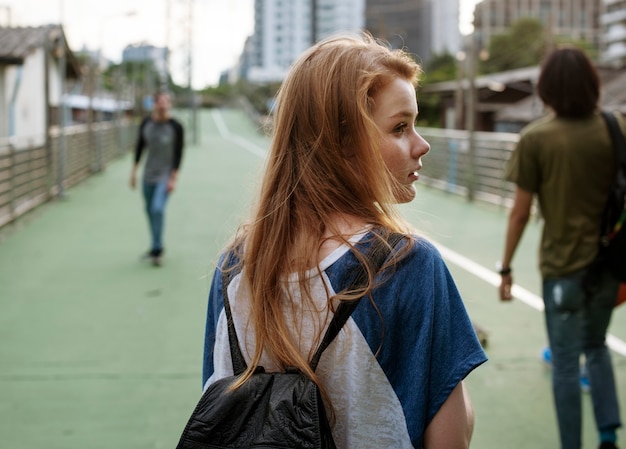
(160, 140)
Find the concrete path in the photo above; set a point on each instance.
(101, 350)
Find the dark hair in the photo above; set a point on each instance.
(158, 93)
(569, 83)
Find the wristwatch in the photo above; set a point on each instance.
(502, 271)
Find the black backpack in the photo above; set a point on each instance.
(271, 410)
(612, 252)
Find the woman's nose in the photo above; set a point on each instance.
(421, 146)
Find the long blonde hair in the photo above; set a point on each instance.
(324, 160)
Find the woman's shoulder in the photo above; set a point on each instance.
(421, 249)
(409, 251)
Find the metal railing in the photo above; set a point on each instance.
(30, 173)
(474, 171)
(29, 176)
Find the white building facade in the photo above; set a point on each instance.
(283, 30)
(614, 23)
(446, 36)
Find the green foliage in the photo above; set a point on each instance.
(585, 46)
(139, 73)
(260, 95)
(441, 67)
(429, 110)
(222, 91)
(523, 46)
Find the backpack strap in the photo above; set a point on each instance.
(239, 363)
(377, 255)
(619, 144)
(617, 137)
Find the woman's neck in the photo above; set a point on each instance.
(339, 226)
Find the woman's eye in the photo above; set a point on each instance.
(400, 128)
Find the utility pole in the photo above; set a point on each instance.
(470, 115)
(192, 97)
(461, 57)
(166, 53)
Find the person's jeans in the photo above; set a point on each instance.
(577, 324)
(155, 196)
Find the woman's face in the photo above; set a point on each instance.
(394, 112)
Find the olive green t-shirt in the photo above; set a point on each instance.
(569, 164)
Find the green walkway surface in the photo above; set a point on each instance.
(101, 350)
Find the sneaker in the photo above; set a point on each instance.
(156, 256)
(585, 385)
(546, 356)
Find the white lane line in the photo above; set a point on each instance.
(226, 134)
(616, 344)
(219, 122)
(489, 276)
(518, 292)
(457, 259)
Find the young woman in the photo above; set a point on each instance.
(344, 152)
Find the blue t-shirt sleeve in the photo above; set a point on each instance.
(455, 350)
(421, 333)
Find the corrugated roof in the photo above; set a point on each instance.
(17, 43)
(510, 77)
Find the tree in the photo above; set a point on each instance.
(441, 67)
(523, 46)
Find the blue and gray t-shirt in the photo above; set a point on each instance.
(394, 363)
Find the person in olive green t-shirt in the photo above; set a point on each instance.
(566, 160)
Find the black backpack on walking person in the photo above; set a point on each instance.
(271, 410)
(612, 252)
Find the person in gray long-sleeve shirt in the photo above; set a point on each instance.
(163, 136)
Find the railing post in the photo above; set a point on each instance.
(12, 215)
(61, 150)
(470, 118)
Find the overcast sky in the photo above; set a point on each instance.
(218, 28)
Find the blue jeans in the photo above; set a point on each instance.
(155, 196)
(577, 324)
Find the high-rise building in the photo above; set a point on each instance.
(572, 19)
(446, 36)
(424, 27)
(146, 52)
(614, 39)
(283, 30)
(403, 23)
